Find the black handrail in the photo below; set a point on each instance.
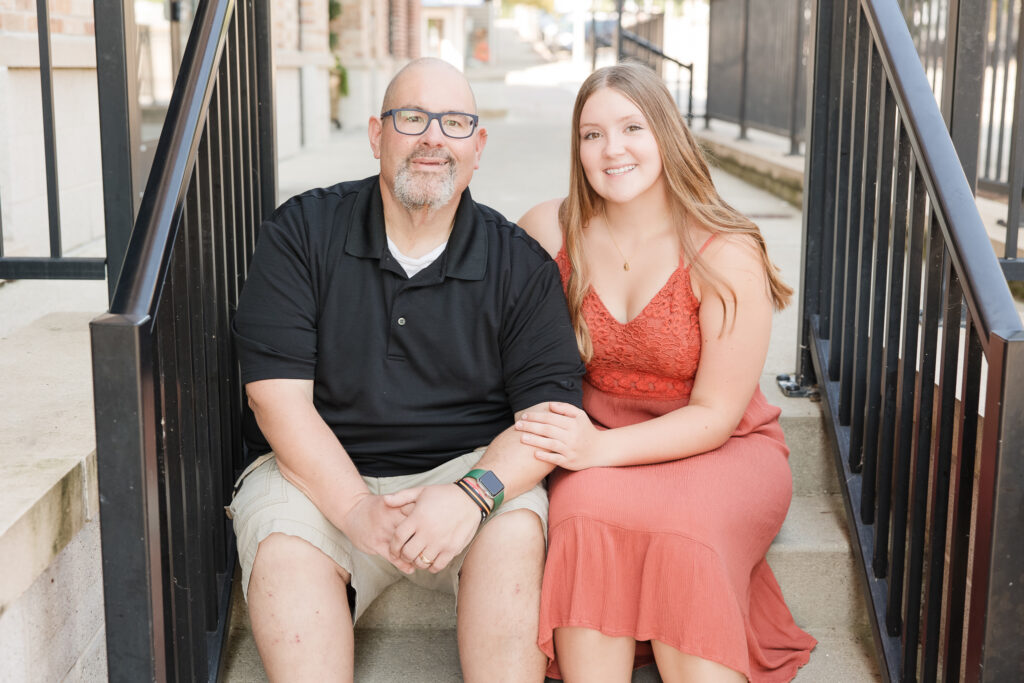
(958, 215)
(902, 302)
(656, 51)
(149, 250)
(167, 391)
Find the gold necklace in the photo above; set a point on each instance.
(625, 259)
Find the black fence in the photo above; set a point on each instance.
(640, 37)
(909, 327)
(757, 65)
(1000, 94)
(167, 393)
(55, 265)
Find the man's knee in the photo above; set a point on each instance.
(286, 555)
(520, 533)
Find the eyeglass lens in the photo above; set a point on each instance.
(415, 122)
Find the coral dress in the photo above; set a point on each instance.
(671, 551)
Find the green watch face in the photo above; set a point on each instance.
(489, 480)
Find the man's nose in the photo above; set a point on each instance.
(433, 135)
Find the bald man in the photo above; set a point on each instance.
(390, 331)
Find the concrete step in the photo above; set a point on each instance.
(47, 445)
(429, 655)
(810, 456)
(811, 558)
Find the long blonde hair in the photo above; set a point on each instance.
(692, 194)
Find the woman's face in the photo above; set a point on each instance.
(617, 148)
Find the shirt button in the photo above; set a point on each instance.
(401, 321)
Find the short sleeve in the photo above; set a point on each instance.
(275, 327)
(541, 361)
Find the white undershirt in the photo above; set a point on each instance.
(411, 266)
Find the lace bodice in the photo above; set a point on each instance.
(654, 355)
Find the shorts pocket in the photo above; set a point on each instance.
(260, 485)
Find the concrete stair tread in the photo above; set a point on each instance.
(811, 558)
(47, 444)
(428, 655)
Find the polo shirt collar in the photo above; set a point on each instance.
(466, 254)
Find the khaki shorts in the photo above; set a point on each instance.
(266, 503)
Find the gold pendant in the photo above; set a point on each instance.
(625, 265)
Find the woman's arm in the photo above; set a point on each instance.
(541, 223)
(732, 358)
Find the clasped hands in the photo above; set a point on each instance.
(423, 527)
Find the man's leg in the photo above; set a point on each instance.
(298, 604)
(499, 601)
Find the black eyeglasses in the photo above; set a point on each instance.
(454, 124)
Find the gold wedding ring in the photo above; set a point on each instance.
(425, 560)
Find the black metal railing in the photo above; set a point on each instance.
(996, 27)
(640, 40)
(167, 392)
(55, 265)
(757, 66)
(907, 323)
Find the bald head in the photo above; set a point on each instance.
(425, 70)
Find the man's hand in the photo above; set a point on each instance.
(440, 526)
(370, 524)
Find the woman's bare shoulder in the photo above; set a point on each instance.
(541, 223)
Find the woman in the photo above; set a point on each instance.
(668, 495)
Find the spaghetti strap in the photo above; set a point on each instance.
(686, 266)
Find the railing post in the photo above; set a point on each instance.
(119, 126)
(743, 70)
(963, 80)
(818, 191)
(798, 48)
(618, 30)
(122, 367)
(267, 136)
(997, 578)
(1016, 179)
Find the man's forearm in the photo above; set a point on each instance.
(309, 455)
(513, 462)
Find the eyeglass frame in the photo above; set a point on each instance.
(431, 117)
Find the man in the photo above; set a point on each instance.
(388, 330)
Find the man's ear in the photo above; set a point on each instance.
(481, 141)
(375, 129)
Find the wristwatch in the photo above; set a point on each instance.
(489, 480)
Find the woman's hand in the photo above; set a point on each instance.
(564, 437)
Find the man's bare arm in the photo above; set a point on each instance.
(310, 456)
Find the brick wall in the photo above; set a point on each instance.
(67, 17)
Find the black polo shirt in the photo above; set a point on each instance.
(408, 372)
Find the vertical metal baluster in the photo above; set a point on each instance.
(863, 440)
(854, 205)
(867, 204)
(992, 66)
(941, 456)
(189, 491)
(875, 494)
(891, 520)
(178, 617)
(842, 188)
(961, 496)
(49, 126)
(917, 498)
(1016, 177)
